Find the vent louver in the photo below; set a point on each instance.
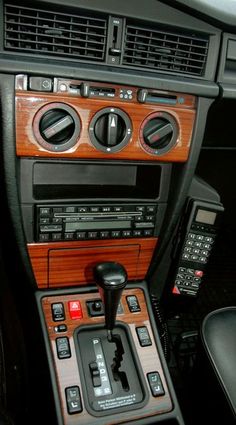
(171, 51)
(37, 31)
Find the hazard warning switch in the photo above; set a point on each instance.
(75, 310)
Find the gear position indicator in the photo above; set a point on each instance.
(105, 387)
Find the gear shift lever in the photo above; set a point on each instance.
(111, 279)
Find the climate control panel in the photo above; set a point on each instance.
(92, 120)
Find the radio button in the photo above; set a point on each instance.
(151, 208)
(57, 220)
(44, 237)
(82, 209)
(118, 209)
(56, 236)
(137, 233)
(57, 210)
(149, 217)
(80, 235)
(148, 232)
(126, 233)
(142, 208)
(115, 234)
(143, 225)
(106, 209)
(44, 211)
(92, 235)
(94, 209)
(70, 209)
(44, 220)
(69, 236)
(104, 235)
(50, 228)
(139, 218)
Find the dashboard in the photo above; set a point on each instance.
(104, 106)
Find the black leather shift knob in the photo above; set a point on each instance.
(111, 279)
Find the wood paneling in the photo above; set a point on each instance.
(67, 371)
(70, 263)
(29, 103)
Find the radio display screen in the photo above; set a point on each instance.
(97, 225)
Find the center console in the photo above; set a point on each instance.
(95, 166)
(92, 383)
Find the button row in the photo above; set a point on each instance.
(54, 224)
(194, 258)
(201, 238)
(47, 211)
(94, 306)
(45, 237)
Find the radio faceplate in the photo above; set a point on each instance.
(62, 222)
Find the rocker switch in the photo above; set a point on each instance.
(58, 312)
(133, 304)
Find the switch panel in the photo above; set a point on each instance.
(155, 384)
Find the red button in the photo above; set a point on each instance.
(175, 290)
(198, 273)
(75, 310)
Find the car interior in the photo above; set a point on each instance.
(117, 189)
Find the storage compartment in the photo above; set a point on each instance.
(72, 266)
(76, 180)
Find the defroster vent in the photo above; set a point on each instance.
(171, 51)
(33, 30)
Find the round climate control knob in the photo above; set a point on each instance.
(159, 133)
(56, 127)
(110, 130)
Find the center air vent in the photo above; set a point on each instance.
(171, 51)
(28, 29)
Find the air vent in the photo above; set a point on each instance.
(43, 32)
(175, 52)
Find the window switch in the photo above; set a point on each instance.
(63, 348)
(73, 400)
(155, 384)
(143, 336)
(58, 312)
(133, 303)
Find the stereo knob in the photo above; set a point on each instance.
(57, 127)
(159, 133)
(110, 130)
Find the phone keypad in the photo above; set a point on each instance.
(188, 281)
(197, 247)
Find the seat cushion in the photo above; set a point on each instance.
(218, 335)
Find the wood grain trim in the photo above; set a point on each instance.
(67, 372)
(29, 103)
(62, 264)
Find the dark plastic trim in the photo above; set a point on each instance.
(139, 79)
(228, 91)
(10, 166)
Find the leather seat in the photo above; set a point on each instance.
(218, 335)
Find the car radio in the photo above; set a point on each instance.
(90, 221)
